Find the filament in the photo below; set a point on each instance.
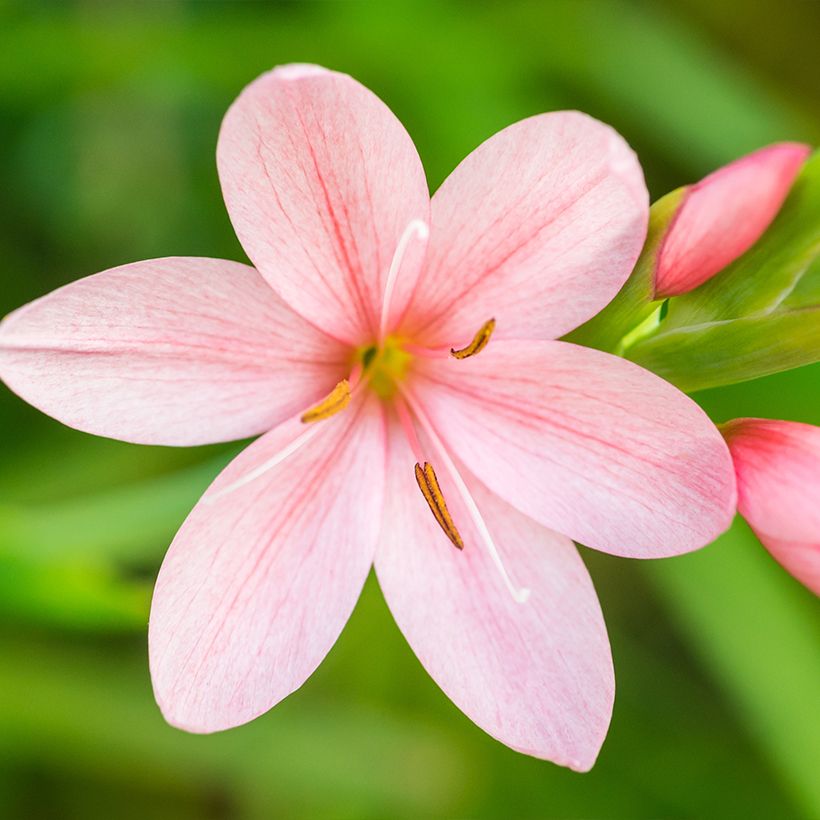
(273, 461)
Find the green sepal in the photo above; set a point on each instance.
(765, 276)
(635, 301)
(734, 350)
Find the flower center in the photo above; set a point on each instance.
(384, 365)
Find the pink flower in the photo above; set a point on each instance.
(778, 482)
(462, 477)
(723, 215)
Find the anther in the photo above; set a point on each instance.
(478, 343)
(336, 401)
(520, 594)
(430, 489)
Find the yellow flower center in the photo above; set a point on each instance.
(384, 366)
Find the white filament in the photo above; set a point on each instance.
(285, 452)
(519, 594)
(418, 227)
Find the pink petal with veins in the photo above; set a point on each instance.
(320, 180)
(537, 676)
(723, 215)
(178, 351)
(587, 444)
(259, 582)
(539, 227)
(778, 486)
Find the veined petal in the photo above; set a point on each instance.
(537, 676)
(259, 581)
(321, 180)
(587, 444)
(723, 215)
(778, 490)
(543, 222)
(177, 351)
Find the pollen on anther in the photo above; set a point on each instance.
(335, 402)
(478, 343)
(430, 489)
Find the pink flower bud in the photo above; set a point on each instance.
(723, 215)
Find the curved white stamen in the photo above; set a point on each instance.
(418, 227)
(519, 594)
(285, 452)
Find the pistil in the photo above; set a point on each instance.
(419, 229)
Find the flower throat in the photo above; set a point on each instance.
(384, 366)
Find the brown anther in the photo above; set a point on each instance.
(478, 343)
(336, 401)
(428, 484)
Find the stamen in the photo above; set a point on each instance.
(478, 343)
(285, 452)
(422, 231)
(336, 401)
(519, 594)
(430, 489)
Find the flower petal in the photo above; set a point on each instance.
(537, 676)
(541, 225)
(724, 214)
(259, 582)
(778, 490)
(587, 444)
(177, 351)
(320, 180)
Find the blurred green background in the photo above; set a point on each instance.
(109, 114)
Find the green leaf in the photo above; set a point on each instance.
(635, 301)
(71, 564)
(132, 524)
(71, 595)
(719, 353)
(761, 279)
